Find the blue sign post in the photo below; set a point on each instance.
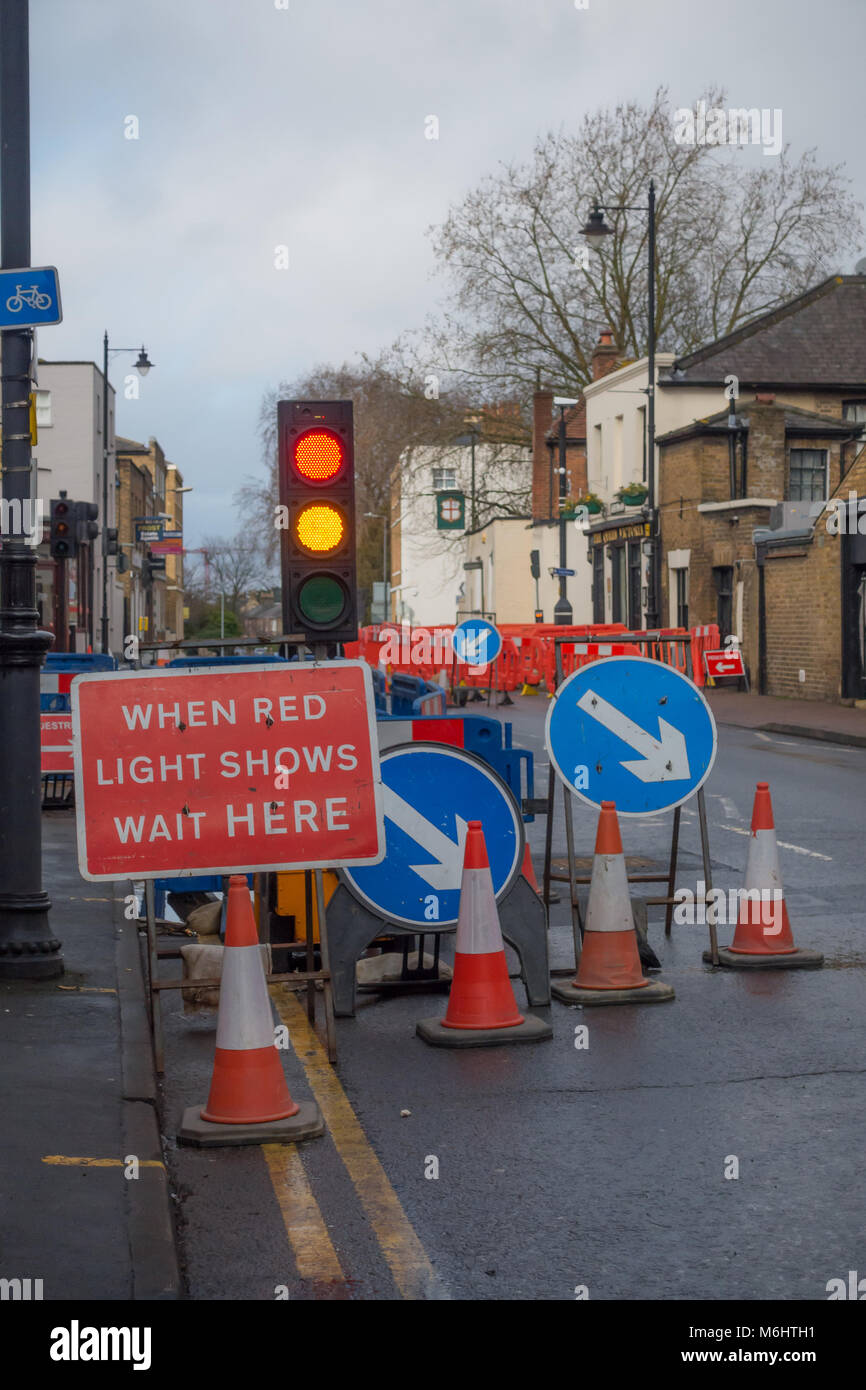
(430, 793)
(632, 731)
(476, 641)
(30, 297)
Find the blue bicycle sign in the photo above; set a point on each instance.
(29, 297)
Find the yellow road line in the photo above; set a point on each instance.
(62, 1161)
(403, 1251)
(315, 1256)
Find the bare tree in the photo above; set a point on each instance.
(529, 296)
(236, 565)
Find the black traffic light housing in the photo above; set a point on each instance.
(86, 524)
(153, 564)
(535, 564)
(62, 529)
(316, 451)
(112, 545)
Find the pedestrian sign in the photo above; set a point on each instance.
(632, 731)
(30, 297)
(476, 641)
(430, 794)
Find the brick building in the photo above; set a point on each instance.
(149, 487)
(769, 464)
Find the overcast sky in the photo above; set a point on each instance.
(304, 126)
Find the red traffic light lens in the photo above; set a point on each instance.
(318, 456)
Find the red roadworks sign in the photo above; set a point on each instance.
(56, 743)
(728, 663)
(222, 770)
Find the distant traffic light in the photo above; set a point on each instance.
(112, 545)
(62, 533)
(317, 491)
(86, 524)
(151, 565)
(535, 564)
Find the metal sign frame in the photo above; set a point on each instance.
(572, 878)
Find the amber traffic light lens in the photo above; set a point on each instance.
(320, 527)
(319, 456)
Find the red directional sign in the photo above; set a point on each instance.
(56, 743)
(729, 663)
(226, 770)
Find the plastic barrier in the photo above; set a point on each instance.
(706, 638)
(486, 737)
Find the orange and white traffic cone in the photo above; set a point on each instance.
(528, 871)
(609, 971)
(249, 1101)
(763, 938)
(482, 1009)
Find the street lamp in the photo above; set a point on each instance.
(562, 612)
(380, 516)
(595, 231)
(142, 366)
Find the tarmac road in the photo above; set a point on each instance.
(562, 1169)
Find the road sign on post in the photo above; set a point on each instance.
(430, 793)
(632, 731)
(29, 297)
(476, 641)
(222, 770)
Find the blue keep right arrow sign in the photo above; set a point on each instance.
(632, 731)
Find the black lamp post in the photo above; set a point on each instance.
(562, 611)
(595, 231)
(142, 366)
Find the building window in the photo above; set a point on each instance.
(43, 410)
(634, 586)
(723, 576)
(620, 589)
(682, 597)
(807, 475)
(444, 479)
(598, 584)
(854, 413)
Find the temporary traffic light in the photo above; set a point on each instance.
(62, 529)
(86, 525)
(317, 493)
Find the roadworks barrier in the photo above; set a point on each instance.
(763, 939)
(609, 970)
(482, 1010)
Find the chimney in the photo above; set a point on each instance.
(605, 355)
(542, 416)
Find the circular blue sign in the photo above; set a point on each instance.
(633, 731)
(476, 641)
(430, 792)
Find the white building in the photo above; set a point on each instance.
(69, 456)
(429, 585)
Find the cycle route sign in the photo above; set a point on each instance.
(30, 297)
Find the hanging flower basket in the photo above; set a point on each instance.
(593, 504)
(633, 495)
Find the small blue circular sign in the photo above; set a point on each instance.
(633, 731)
(476, 641)
(430, 792)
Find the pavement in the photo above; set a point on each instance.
(503, 1173)
(801, 718)
(78, 1099)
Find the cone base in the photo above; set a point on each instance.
(795, 960)
(654, 992)
(532, 1029)
(307, 1123)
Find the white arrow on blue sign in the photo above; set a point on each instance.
(633, 731)
(430, 792)
(476, 641)
(29, 297)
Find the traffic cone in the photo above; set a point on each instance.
(482, 1009)
(529, 872)
(763, 938)
(609, 971)
(249, 1101)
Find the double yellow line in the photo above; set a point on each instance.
(308, 1235)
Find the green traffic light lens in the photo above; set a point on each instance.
(321, 599)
